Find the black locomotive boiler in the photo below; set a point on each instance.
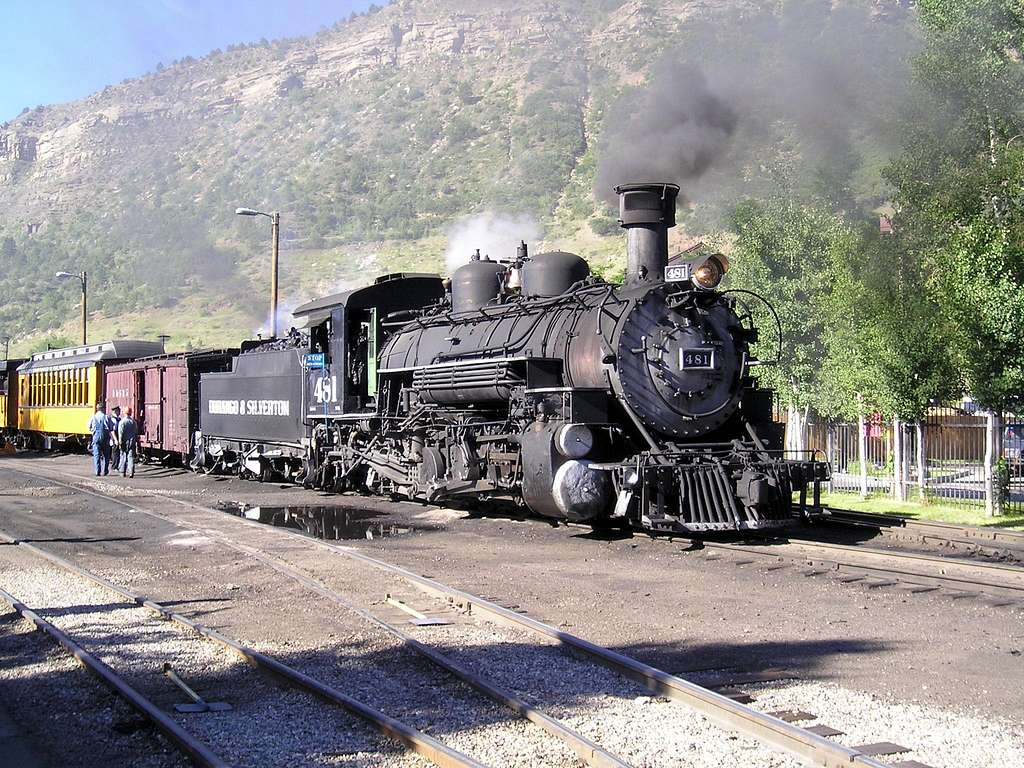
(531, 381)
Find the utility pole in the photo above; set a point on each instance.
(83, 278)
(275, 233)
(85, 308)
(275, 236)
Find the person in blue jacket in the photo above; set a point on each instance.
(115, 448)
(100, 427)
(127, 439)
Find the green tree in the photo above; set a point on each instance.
(903, 344)
(959, 186)
(788, 254)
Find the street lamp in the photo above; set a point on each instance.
(275, 234)
(84, 279)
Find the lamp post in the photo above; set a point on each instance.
(275, 235)
(84, 279)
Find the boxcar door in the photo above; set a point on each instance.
(138, 390)
(175, 396)
(154, 407)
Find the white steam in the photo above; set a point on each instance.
(496, 235)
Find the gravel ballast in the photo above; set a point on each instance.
(267, 726)
(308, 631)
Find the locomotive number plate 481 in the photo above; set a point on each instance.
(677, 273)
(696, 359)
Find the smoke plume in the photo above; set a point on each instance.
(496, 235)
(798, 98)
(671, 131)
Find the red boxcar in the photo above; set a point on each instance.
(163, 393)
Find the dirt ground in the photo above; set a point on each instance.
(666, 603)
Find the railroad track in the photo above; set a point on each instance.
(884, 567)
(189, 745)
(854, 563)
(990, 541)
(192, 747)
(803, 743)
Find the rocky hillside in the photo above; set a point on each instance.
(372, 138)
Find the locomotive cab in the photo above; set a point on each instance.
(346, 331)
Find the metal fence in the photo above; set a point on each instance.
(956, 455)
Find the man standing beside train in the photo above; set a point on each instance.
(127, 438)
(115, 444)
(100, 427)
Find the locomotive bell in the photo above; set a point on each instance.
(646, 212)
(476, 284)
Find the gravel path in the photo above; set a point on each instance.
(650, 731)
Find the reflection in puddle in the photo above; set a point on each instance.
(324, 522)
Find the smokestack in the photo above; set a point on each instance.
(646, 212)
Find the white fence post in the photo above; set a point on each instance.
(905, 461)
(862, 447)
(830, 452)
(990, 460)
(994, 501)
(898, 489)
(922, 467)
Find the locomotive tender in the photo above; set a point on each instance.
(530, 381)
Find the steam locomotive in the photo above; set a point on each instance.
(530, 381)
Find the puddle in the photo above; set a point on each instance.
(326, 522)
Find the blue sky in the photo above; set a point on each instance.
(60, 50)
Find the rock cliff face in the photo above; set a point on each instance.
(55, 159)
(387, 127)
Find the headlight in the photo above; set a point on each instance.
(709, 274)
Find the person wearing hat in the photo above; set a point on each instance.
(100, 428)
(115, 443)
(127, 438)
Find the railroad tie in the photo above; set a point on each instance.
(825, 730)
(793, 715)
(881, 749)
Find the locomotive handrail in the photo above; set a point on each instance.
(775, 315)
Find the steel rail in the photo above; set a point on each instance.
(908, 567)
(587, 750)
(725, 712)
(186, 743)
(952, 532)
(417, 741)
(785, 737)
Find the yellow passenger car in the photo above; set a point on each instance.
(8, 398)
(58, 389)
